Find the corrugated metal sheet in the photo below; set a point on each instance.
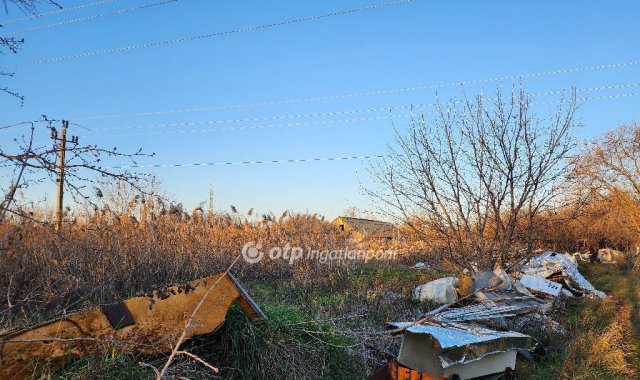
(462, 344)
(451, 335)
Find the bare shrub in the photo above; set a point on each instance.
(477, 176)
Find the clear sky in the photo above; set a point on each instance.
(419, 43)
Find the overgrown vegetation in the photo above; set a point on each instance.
(108, 256)
(331, 329)
(328, 328)
(477, 175)
(326, 319)
(602, 339)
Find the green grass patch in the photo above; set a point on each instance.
(106, 367)
(602, 335)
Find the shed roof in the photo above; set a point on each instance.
(369, 226)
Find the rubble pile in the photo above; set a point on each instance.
(562, 268)
(467, 336)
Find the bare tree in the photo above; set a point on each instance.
(612, 161)
(476, 176)
(610, 166)
(83, 163)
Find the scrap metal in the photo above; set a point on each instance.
(453, 348)
(551, 263)
(147, 324)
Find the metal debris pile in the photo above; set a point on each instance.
(562, 269)
(468, 335)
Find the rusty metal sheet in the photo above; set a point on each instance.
(152, 325)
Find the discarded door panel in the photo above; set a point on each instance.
(523, 302)
(455, 349)
(476, 313)
(541, 284)
(146, 325)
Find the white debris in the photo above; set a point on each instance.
(518, 287)
(497, 279)
(541, 284)
(441, 291)
(550, 262)
(570, 257)
(541, 320)
(567, 293)
(421, 265)
(608, 255)
(582, 256)
(492, 305)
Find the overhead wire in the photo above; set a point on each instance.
(257, 162)
(364, 93)
(55, 12)
(247, 127)
(389, 116)
(87, 18)
(203, 36)
(320, 114)
(323, 122)
(301, 160)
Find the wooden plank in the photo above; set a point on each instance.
(404, 373)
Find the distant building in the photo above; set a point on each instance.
(359, 229)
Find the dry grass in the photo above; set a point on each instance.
(612, 349)
(603, 338)
(103, 258)
(103, 255)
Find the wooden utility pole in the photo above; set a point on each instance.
(63, 147)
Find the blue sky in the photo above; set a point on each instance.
(419, 43)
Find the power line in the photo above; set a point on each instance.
(335, 113)
(247, 127)
(209, 35)
(310, 123)
(366, 93)
(329, 122)
(287, 161)
(80, 19)
(323, 122)
(589, 89)
(267, 118)
(604, 97)
(298, 160)
(55, 12)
